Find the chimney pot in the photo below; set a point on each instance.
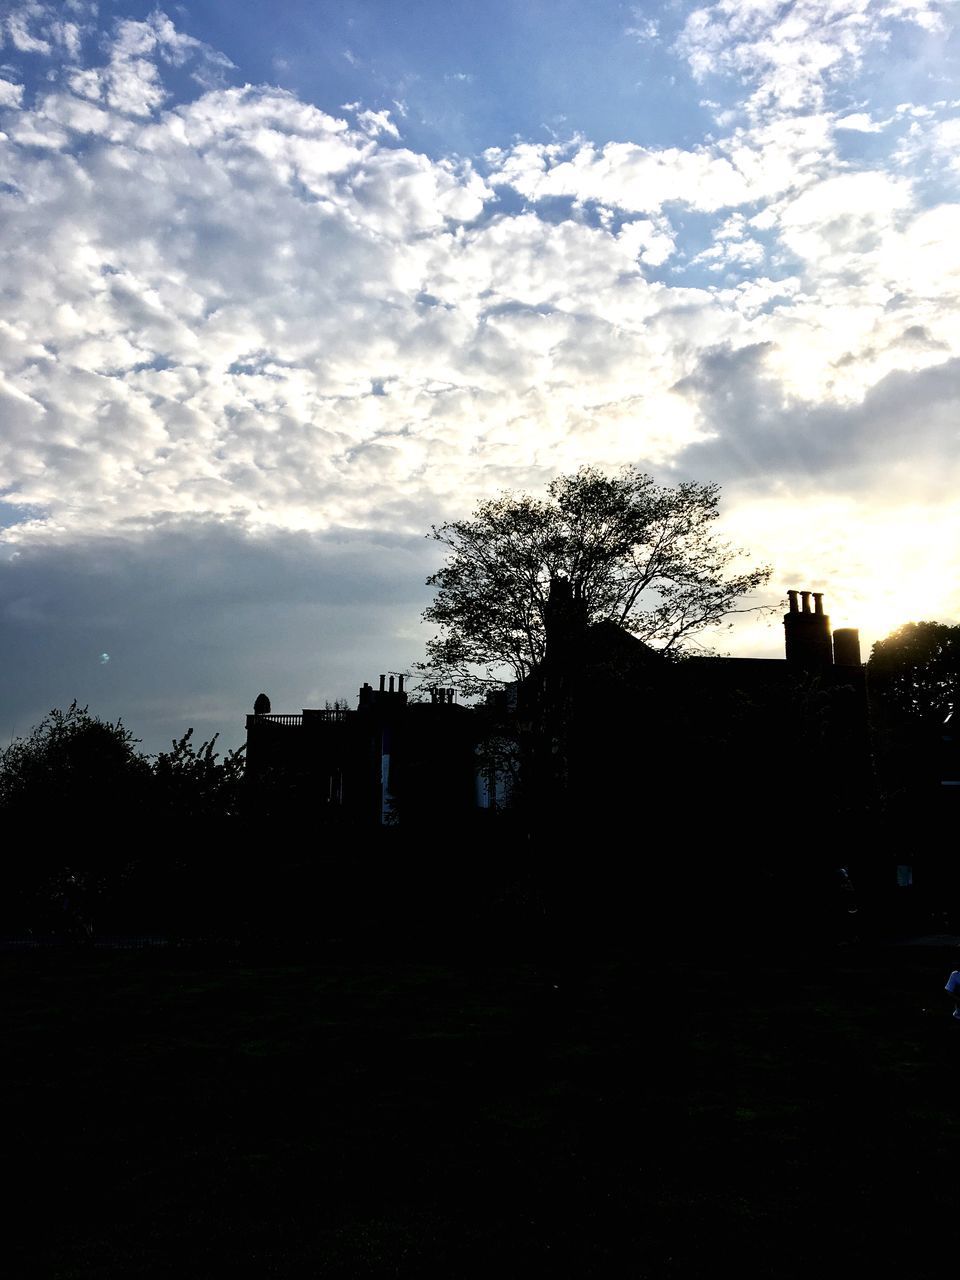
(383, 681)
(807, 632)
(391, 684)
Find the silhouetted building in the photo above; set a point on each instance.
(388, 761)
(603, 713)
(707, 770)
(608, 721)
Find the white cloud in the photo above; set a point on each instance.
(624, 174)
(377, 122)
(930, 143)
(40, 27)
(651, 242)
(68, 35)
(860, 122)
(86, 83)
(81, 116)
(749, 165)
(244, 310)
(10, 93)
(791, 55)
(208, 300)
(644, 29)
(19, 31)
(133, 86)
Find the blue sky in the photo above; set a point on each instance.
(469, 76)
(286, 284)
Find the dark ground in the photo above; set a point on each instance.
(192, 1115)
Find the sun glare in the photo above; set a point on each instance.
(909, 571)
(877, 569)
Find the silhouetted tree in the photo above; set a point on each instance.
(915, 671)
(635, 553)
(73, 796)
(72, 765)
(96, 831)
(194, 782)
(78, 767)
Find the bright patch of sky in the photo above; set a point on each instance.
(285, 279)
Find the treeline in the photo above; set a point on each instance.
(99, 835)
(77, 769)
(101, 840)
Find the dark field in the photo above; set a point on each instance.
(181, 1115)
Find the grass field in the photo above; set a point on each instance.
(180, 1115)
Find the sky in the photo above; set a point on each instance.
(285, 284)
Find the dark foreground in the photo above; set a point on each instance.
(195, 1115)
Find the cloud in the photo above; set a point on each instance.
(860, 122)
(645, 30)
(859, 497)
(904, 426)
(237, 324)
(930, 143)
(376, 122)
(37, 27)
(652, 242)
(244, 308)
(10, 93)
(19, 33)
(749, 165)
(793, 55)
(184, 627)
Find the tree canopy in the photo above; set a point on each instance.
(99, 828)
(71, 765)
(635, 553)
(194, 782)
(916, 670)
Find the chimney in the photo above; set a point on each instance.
(564, 624)
(807, 632)
(383, 682)
(846, 647)
(399, 684)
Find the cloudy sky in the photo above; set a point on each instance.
(286, 283)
